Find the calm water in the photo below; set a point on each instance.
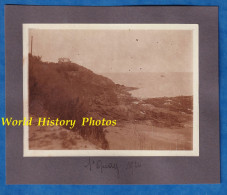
(155, 84)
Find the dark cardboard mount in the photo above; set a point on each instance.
(153, 170)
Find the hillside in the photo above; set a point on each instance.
(70, 91)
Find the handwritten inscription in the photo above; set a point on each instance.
(100, 165)
(104, 165)
(132, 165)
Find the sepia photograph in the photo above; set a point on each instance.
(111, 89)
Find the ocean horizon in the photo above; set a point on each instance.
(155, 84)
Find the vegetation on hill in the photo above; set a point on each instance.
(68, 91)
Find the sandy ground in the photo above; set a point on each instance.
(125, 136)
(56, 138)
(135, 136)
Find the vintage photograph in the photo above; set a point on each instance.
(111, 89)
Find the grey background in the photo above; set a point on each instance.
(153, 170)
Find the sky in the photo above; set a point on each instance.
(113, 51)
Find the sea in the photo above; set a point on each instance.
(155, 84)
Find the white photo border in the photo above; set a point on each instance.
(127, 153)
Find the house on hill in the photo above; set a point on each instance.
(64, 60)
